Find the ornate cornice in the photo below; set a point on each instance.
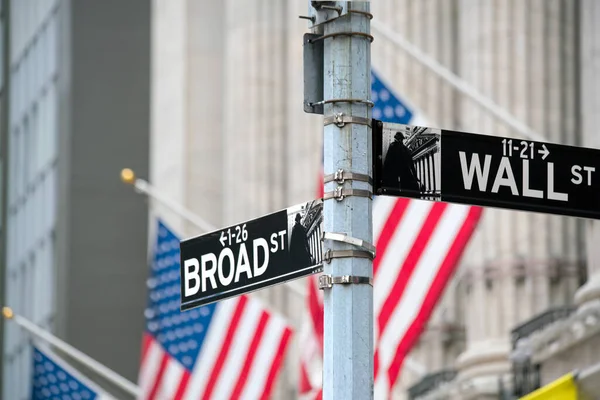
(565, 333)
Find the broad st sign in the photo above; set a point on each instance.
(493, 171)
(252, 255)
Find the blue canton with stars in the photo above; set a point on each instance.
(387, 106)
(181, 334)
(51, 381)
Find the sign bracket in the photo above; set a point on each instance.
(340, 176)
(340, 120)
(331, 254)
(342, 237)
(314, 61)
(340, 193)
(327, 281)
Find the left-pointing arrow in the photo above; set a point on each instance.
(223, 238)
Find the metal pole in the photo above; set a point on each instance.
(348, 339)
(144, 187)
(83, 358)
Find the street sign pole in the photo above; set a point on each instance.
(347, 278)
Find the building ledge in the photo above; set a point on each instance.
(463, 389)
(430, 383)
(589, 292)
(565, 333)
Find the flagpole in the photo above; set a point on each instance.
(144, 187)
(83, 358)
(458, 83)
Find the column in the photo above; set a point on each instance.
(423, 171)
(431, 186)
(426, 168)
(589, 293)
(168, 116)
(206, 149)
(418, 168)
(438, 171)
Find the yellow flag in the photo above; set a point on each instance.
(564, 388)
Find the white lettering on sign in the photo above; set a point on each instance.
(191, 275)
(208, 273)
(239, 235)
(506, 177)
(243, 263)
(224, 280)
(552, 195)
(578, 178)
(469, 172)
(527, 149)
(502, 181)
(200, 276)
(274, 244)
(262, 243)
(527, 191)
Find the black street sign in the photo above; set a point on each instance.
(458, 167)
(255, 254)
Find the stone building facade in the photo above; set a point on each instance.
(230, 141)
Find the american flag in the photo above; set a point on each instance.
(419, 244)
(230, 349)
(53, 378)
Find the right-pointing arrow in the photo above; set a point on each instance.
(545, 152)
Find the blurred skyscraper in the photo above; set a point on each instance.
(75, 110)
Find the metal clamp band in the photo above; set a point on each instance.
(322, 102)
(327, 281)
(365, 13)
(340, 176)
(331, 254)
(340, 120)
(366, 35)
(340, 193)
(342, 237)
(336, 9)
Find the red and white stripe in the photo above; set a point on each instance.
(240, 357)
(424, 243)
(419, 244)
(311, 339)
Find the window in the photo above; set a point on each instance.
(34, 144)
(15, 13)
(47, 274)
(12, 168)
(52, 45)
(52, 123)
(24, 162)
(50, 201)
(10, 240)
(1, 51)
